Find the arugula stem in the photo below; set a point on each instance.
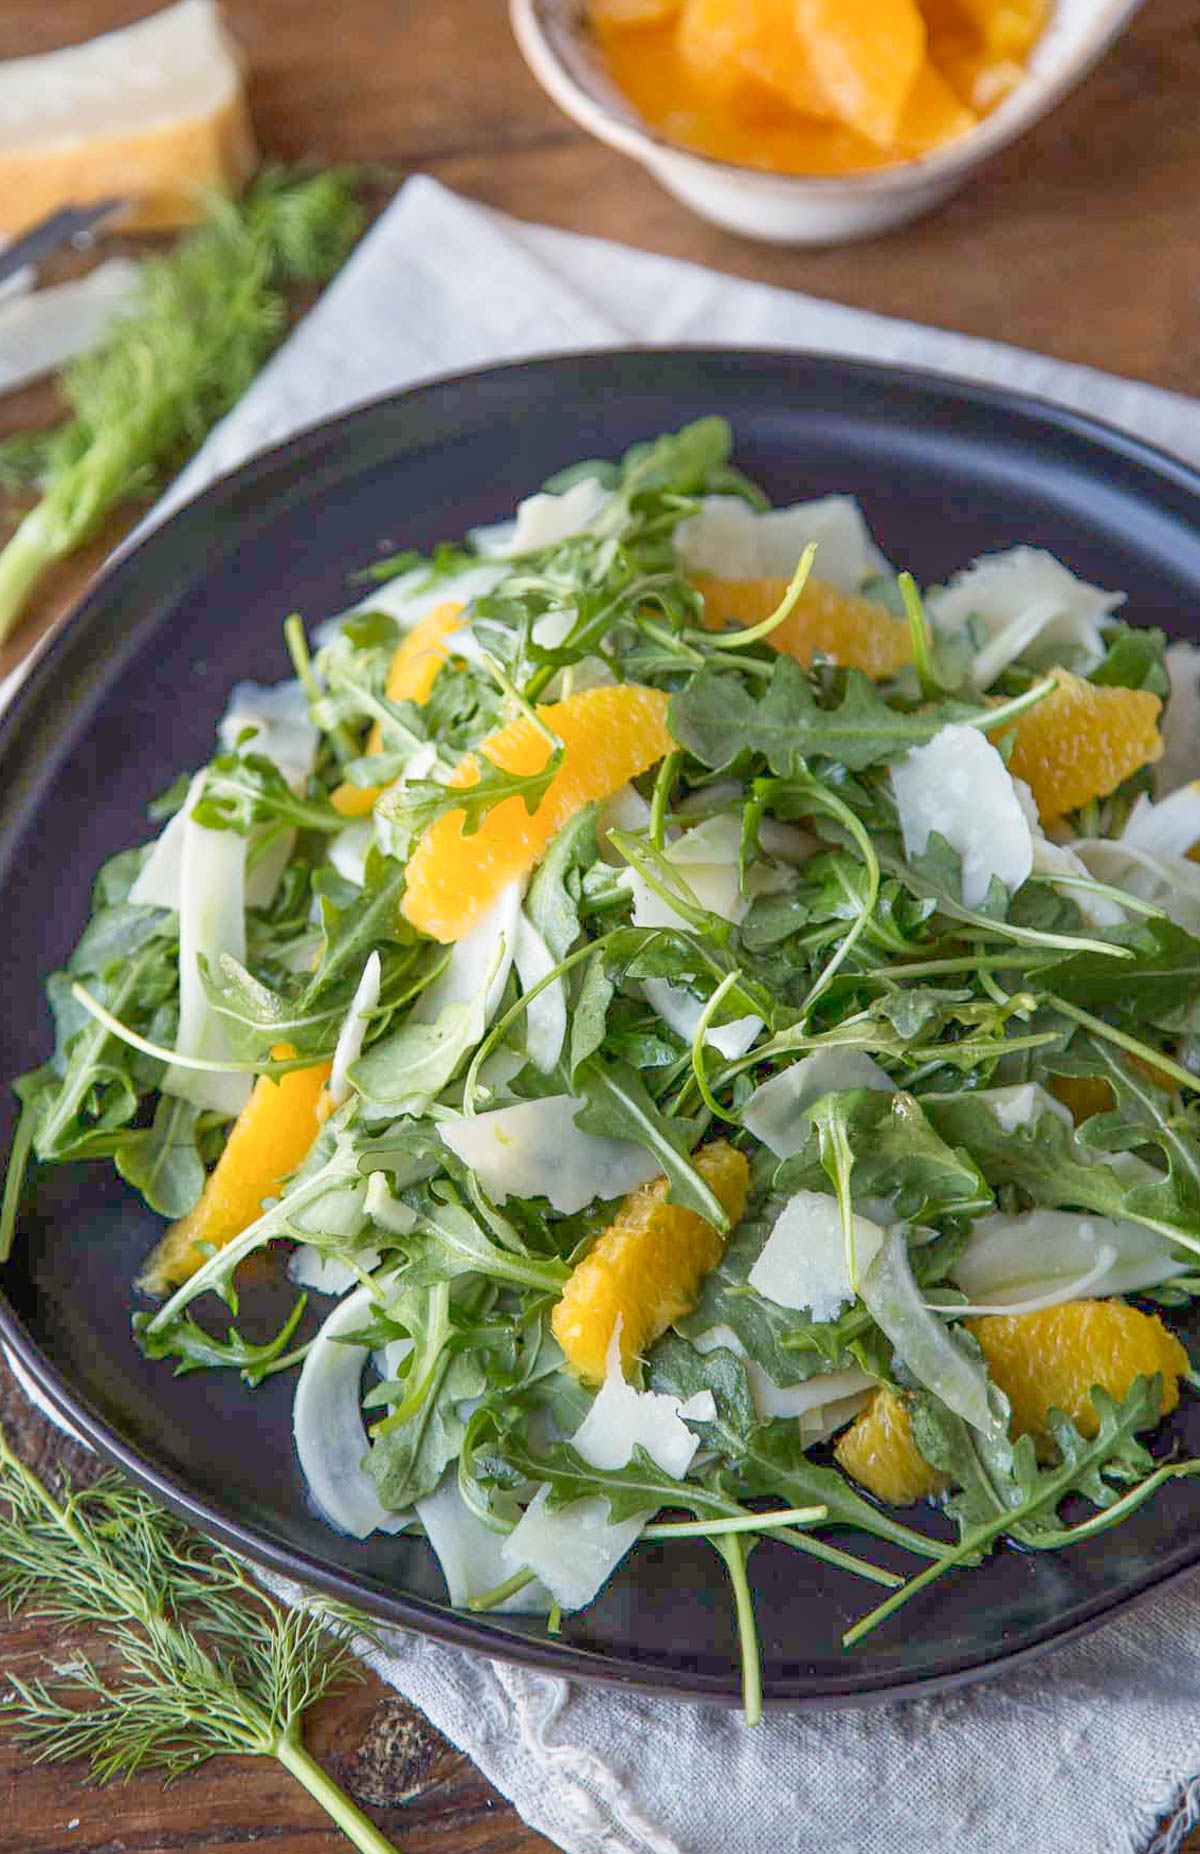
(356, 1827)
(733, 1551)
(1132, 1045)
(919, 633)
(14, 1175)
(742, 1522)
(754, 634)
(840, 1560)
(491, 1599)
(124, 1034)
(665, 778)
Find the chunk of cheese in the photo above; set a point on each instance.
(153, 113)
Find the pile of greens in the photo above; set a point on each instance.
(846, 945)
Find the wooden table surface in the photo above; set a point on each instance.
(1080, 241)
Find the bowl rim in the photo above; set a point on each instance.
(32, 703)
(1034, 99)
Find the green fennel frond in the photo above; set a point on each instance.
(209, 1661)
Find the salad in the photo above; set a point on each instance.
(711, 1032)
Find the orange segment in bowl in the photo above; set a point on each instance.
(1052, 1359)
(1083, 741)
(866, 56)
(268, 1140)
(855, 632)
(609, 736)
(646, 1267)
(880, 1453)
(934, 115)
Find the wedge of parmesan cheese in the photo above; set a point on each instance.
(153, 114)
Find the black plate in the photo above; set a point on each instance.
(128, 695)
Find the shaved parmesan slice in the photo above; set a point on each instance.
(391, 1213)
(471, 1554)
(1026, 598)
(729, 538)
(545, 1015)
(1045, 1253)
(922, 1342)
(534, 1149)
(1171, 827)
(804, 1262)
(544, 521)
(316, 1269)
(1022, 1105)
(157, 883)
(283, 731)
(682, 1013)
(574, 1550)
(826, 1419)
(483, 957)
(785, 1400)
(348, 850)
(625, 810)
(707, 860)
(328, 1426)
(42, 331)
(212, 921)
(1059, 859)
(622, 1419)
(1171, 883)
(350, 1037)
(958, 785)
(775, 1112)
(1181, 720)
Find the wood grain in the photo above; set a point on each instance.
(1079, 242)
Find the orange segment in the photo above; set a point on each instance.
(853, 631)
(1006, 28)
(1053, 1358)
(410, 678)
(933, 115)
(866, 55)
(632, 12)
(976, 76)
(609, 735)
(269, 1138)
(647, 1266)
(1083, 741)
(879, 1452)
(732, 47)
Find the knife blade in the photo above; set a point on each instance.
(59, 229)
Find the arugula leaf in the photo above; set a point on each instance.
(767, 1458)
(1134, 660)
(245, 789)
(162, 1162)
(719, 719)
(1045, 1158)
(552, 903)
(408, 1461)
(1024, 1502)
(1160, 986)
(186, 1341)
(407, 811)
(619, 1106)
(371, 921)
(897, 1154)
(449, 1242)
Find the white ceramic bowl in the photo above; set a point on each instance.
(794, 209)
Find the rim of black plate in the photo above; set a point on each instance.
(37, 702)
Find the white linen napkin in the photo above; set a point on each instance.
(1088, 1749)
